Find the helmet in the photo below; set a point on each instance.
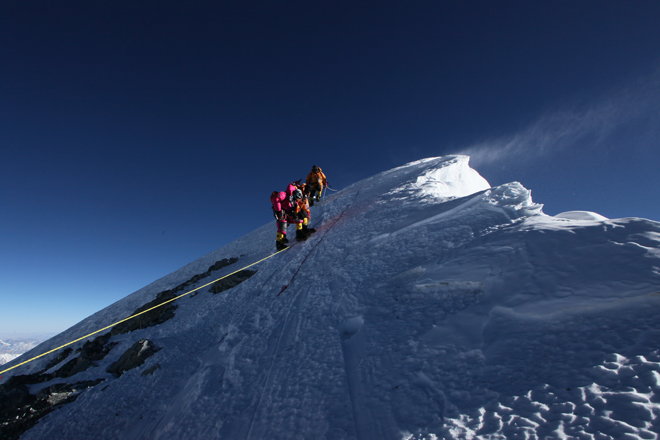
(297, 195)
(315, 169)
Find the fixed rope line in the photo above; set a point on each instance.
(137, 314)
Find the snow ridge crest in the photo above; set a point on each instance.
(439, 178)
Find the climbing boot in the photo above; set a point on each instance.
(300, 235)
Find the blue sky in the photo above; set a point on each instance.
(138, 136)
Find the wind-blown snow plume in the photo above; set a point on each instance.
(582, 126)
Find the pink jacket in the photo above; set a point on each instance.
(290, 189)
(281, 202)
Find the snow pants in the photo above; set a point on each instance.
(282, 225)
(313, 189)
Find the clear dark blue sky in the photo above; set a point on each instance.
(137, 136)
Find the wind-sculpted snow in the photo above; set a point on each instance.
(454, 178)
(581, 215)
(435, 307)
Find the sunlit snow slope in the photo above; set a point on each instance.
(427, 305)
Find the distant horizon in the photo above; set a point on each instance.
(23, 335)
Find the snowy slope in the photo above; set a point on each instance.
(427, 305)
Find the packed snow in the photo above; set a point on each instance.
(427, 305)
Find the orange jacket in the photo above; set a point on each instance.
(303, 205)
(316, 178)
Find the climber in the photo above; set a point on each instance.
(315, 182)
(303, 212)
(286, 210)
(300, 210)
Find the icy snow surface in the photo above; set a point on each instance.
(434, 307)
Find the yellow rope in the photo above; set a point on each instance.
(138, 314)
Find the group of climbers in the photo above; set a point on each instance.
(292, 206)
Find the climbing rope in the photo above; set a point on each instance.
(137, 314)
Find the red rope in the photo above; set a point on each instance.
(314, 247)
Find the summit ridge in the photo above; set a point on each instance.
(436, 306)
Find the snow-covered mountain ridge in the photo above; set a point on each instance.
(13, 348)
(427, 305)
